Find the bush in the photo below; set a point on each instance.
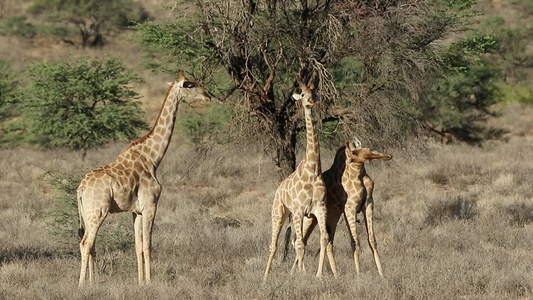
(451, 209)
(520, 214)
(80, 105)
(17, 25)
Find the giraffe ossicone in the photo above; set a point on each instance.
(129, 184)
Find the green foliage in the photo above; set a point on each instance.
(17, 25)
(463, 94)
(7, 89)
(210, 123)
(81, 104)
(175, 41)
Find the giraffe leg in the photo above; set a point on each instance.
(368, 215)
(309, 225)
(279, 214)
(299, 246)
(92, 257)
(350, 215)
(331, 226)
(326, 241)
(147, 224)
(87, 247)
(137, 226)
(84, 259)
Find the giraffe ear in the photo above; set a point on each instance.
(170, 82)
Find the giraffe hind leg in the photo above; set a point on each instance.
(88, 247)
(279, 215)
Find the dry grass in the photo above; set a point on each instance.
(453, 224)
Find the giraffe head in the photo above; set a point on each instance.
(307, 95)
(188, 89)
(356, 154)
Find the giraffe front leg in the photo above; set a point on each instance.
(138, 229)
(324, 239)
(350, 215)
(148, 223)
(331, 227)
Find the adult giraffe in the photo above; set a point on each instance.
(129, 184)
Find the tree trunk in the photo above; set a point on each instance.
(286, 157)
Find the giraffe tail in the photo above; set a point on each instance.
(81, 229)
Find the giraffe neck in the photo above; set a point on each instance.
(155, 143)
(354, 169)
(312, 153)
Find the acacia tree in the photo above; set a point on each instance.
(92, 18)
(80, 104)
(371, 61)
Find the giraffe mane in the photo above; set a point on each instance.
(144, 137)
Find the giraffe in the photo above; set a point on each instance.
(303, 193)
(129, 184)
(349, 191)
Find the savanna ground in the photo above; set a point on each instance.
(455, 222)
(452, 222)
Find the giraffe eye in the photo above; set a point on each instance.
(188, 84)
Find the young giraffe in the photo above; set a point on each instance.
(302, 193)
(349, 190)
(129, 184)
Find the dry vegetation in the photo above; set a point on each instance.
(453, 223)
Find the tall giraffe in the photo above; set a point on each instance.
(302, 193)
(349, 191)
(129, 184)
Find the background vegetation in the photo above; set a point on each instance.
(452, 221)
